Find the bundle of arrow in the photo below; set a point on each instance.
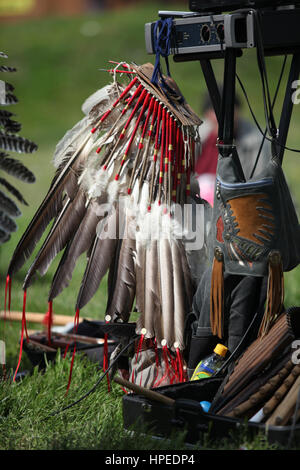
(121, 173)
(265, 383)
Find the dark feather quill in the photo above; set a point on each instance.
(166, 289)
(60, 234)
(10, 125)
(112, 275)
(117, 330)
(13, 191)
(10, 98)
(6, 223)
(50, 207)
(6, 68)
(9, 87)
(187, 278)
(6, 114)
(80, 243)
(140, 278)
(65, 181)
(180, 306)
(17, 144)
(124, 289)
(9, 206)
(153, 321)
(4, 236)
(98, 264)
(16, 168)
(154, 286)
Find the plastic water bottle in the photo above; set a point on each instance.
(211, 364)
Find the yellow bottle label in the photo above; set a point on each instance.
(200, 375)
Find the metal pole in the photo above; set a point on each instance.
(226, 126)
(212, 86)
(288, 105)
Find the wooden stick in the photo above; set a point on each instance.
(58, 320)
(260, 395)
(258, 355)
(43, 347)
(32, 332)
(236, 399)
(81, 338)
(258, 348)
(284, 410)
(282, 390)
(150, 394)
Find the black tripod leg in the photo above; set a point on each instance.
(212, 86)
(288, 104)
(226, 128)
(224, 106)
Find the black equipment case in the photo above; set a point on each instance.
(187, 414)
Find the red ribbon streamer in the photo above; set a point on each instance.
(123, 94)
(48, 320)
(180, 366)
(105, 359)
(76, 322)
(5, 296)
(24, 328)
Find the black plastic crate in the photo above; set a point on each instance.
(187, 414)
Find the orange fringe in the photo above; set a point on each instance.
(217, 295)
(275, 293)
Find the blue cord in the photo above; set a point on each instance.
(162, 45)
(162, 40)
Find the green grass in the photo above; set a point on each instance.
(58, 68)
(32, 416)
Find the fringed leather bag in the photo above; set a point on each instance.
(255, 232)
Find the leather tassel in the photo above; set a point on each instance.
(275, 293)
(217, 294)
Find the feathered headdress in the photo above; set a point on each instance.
(121, 173)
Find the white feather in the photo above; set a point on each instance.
(100, 182)
(103, 94)
(71, 140)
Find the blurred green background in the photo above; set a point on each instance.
(58, 54)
